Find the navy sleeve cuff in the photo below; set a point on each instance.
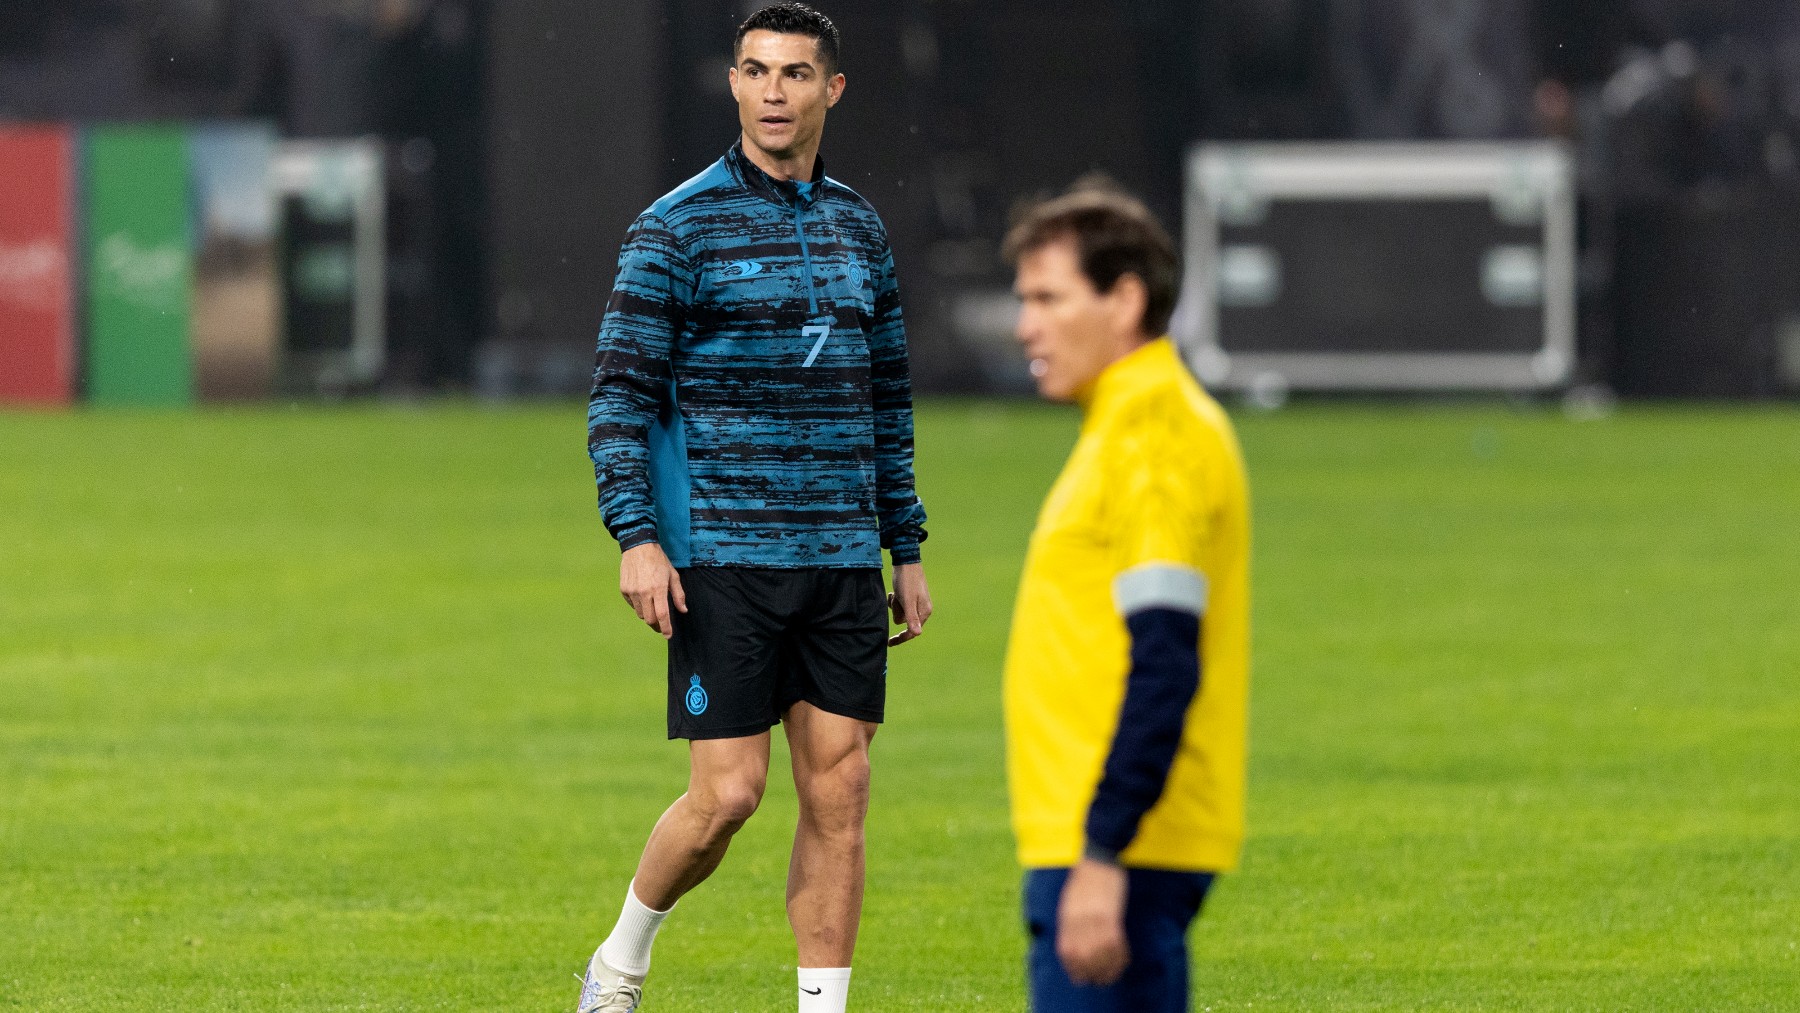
(632, 537)
(1100, 853)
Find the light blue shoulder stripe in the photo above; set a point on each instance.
(714, 176)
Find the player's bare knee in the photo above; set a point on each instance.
(835, 801)
(729, 804)
(852, 780)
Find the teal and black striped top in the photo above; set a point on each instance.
(751, 401)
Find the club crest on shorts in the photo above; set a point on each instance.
(696, 697)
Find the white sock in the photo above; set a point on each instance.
(824, 989)
(627, 950)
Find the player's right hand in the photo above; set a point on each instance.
(1090, 924)
(652, 586)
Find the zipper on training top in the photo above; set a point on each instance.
(812, 295)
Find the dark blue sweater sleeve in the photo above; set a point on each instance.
(901, 515)
(1164, 679)
(631, 374)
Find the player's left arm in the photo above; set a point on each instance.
(1159, 517)
(899, 512)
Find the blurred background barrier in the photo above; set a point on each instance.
(37, 249)
(139, 261)
(517, 141)
(157, 265)
(237, 298)
(334, 263)
(1396, 266)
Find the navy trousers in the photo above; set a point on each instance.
(1159, 907)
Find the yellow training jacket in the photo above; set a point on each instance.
(1155, 480)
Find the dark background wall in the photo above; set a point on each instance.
(525, 134)
(575, 151)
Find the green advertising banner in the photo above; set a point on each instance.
(140, 263)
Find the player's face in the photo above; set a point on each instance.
(1070, 331)
(783, 92)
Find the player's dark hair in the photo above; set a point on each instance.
(793, 19)
(1114, 235)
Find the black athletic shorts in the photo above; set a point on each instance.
(756, 640)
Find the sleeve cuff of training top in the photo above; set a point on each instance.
(1100, 853)
(631, 538)
(904, 554)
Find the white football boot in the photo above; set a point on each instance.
(605, 990)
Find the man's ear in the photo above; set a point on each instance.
(731, 78)
(1130, 297)
(834, 90)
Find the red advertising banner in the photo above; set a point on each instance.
(37, 304)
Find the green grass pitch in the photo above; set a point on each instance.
(340, 710)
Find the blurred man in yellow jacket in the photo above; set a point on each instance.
(1127, 667)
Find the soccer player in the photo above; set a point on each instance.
(1125, 678)
(751, 431)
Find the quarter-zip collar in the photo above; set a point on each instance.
(783, 192)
